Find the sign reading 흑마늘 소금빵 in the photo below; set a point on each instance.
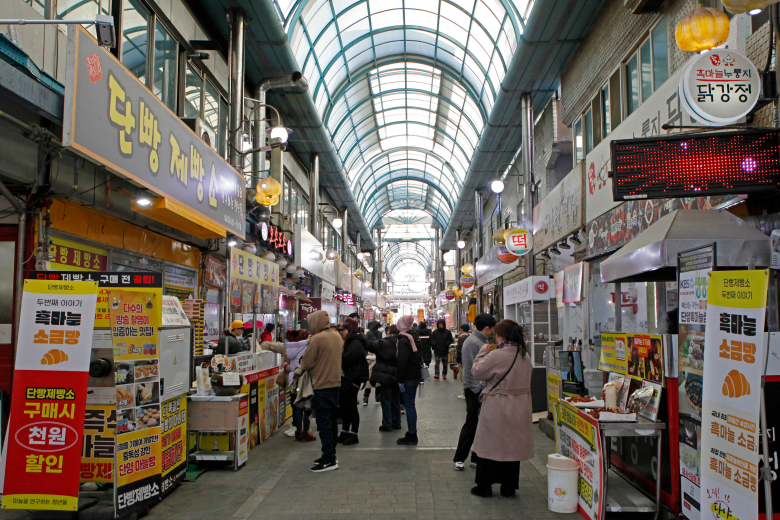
(43, 441)
(113, 119)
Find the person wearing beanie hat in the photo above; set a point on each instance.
(231, 343)
(354, 368)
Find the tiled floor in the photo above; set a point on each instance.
(377, 479)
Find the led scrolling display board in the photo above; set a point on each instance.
(696, 165)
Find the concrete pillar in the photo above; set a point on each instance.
(314, 198)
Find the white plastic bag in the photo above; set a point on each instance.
(204, 381)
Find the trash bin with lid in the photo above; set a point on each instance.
(562, 484)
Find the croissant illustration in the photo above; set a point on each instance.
(736, 384)
(53, 357)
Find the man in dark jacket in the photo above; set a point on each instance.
(441, 339)
(373, 331)
(232, 340)
(409, 374)
(424, 345)
(384, 376)
(354, 367)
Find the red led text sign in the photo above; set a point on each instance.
(695, 165)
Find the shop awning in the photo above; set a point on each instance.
(652, 255)
(173, 214)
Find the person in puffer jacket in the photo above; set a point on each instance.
(424, 344)
(354, 368)
(441, 339)
(384, 376)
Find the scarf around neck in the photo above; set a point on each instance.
(404, 325)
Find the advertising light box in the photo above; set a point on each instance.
(695, 165)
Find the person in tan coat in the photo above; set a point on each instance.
(323, 362)
(505, 431)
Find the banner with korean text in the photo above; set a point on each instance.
(135, 319)
(736, 306)
(43, 443)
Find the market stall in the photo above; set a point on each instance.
(682, 246)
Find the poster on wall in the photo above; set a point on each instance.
(578, 438)
(180, 282)
(639, 356)
(42, 453)
(97, 451)
(736, 307)
(693, 267)
(172, 442)
(135, 319)
(572, 283)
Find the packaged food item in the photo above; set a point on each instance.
(639, 399)
(610, 393)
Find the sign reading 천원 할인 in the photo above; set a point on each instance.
(111, 117)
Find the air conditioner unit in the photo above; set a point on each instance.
(644, 6)
(206, 134)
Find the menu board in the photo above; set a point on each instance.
(639, 356)
(693, 267)
(135, 319)
(578, 438)
(736, 308)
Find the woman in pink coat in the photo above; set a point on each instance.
(505, 431)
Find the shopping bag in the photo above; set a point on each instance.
(421, 391)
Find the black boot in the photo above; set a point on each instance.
(342, 437)
(352, 438)
(410, 439)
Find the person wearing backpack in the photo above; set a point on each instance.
(384, 376)
(354, 368)
(441, 339)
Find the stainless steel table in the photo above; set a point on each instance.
(641, 428)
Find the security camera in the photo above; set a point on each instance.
(104, 26)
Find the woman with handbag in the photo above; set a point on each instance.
(505, 431)
(409, 375)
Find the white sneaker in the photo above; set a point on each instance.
(473, 464)
(377, 403)
(458, 466)
(365, 403)
(461, 396)
(290, 432)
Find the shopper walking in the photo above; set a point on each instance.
(368, 386)
(465, 332)
(483, 324)
(409, 375)
(441, 339)
(354, 368)
(373, 331)
(301, 417)
(505, 431)
(323, 361)
(424, 345)
(385, 375)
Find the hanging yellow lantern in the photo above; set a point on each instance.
(702, 29)
(747, 6)
(467, 268)
(506, 233)
(498, 235)
(268, 191)
(359, 273)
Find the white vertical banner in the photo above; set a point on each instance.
(733, 360)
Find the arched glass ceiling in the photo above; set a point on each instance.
(407, 194)
(399, 252)
(407, 224)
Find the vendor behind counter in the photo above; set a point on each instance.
(234, 339)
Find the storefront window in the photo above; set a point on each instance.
(660, 54)
(296, 205)
(211, 107)
(647, 70)
(588, 124)
(605, 116)
(165, 66)
(135, 37)
(578, 155)
(193, 85)
(632, 83)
